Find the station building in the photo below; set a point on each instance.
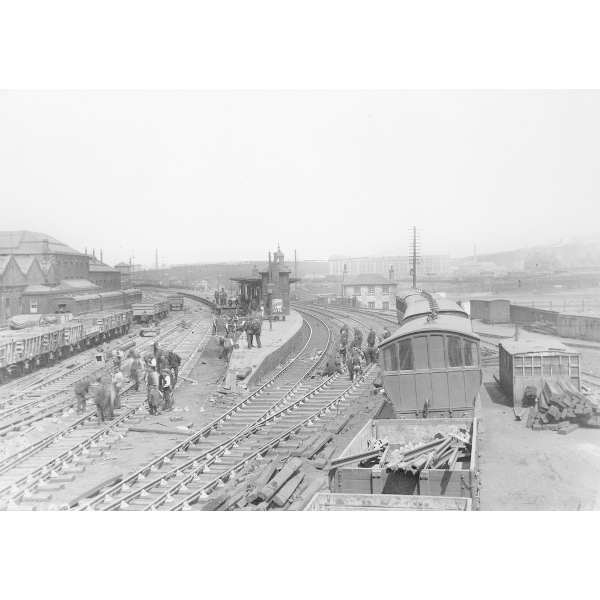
(371, 291)
(256, 288)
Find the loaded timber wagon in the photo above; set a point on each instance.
(451, 468)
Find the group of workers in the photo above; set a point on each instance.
(221, 299)
(248, 322)
(159, 369)
(353, 353)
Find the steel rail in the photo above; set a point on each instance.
(212, 485)
(206, 430)
(36, 477)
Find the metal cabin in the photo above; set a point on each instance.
(491, 311)
(432, 365)
(532, 362)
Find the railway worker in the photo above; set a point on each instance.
(343, 349)
(332, 366)
(344, 330)
(153, 396)
(358, 336)
(82, 389)
(386, 333)
(354, 365)
(257, 328)
(249, 331)
(370, 350)
(216, 296)
(119, 357)
(164, 386)
(117, 383)
(144, 318)
(102, 401)
(174, 361)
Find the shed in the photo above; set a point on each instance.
(533, 362)
(491, 311)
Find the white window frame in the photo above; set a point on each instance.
(385, 289)
(357, 290)
(33, 306)
(386, 306)
(371, 304)
(371, 289)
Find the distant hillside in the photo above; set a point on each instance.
(571, 252)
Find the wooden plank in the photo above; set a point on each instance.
(264, 478)
(568, 429)
(316, 446)
(163, 431)
(324, 458)
(110, 481)
(284, 494)
(269, 490)
(337, 425)
(306, 496)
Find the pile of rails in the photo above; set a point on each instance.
(442, 452)
(561, 407)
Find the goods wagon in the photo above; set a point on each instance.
(36, 347)
(342, 502)
(455, 478)
(28, 349)
(175, 302)
(150, 311)
(491, 311)
(583, 326)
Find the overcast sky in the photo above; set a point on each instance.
(209, 176)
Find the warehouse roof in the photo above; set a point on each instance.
(369, 279)
(534, 346)
(31, 242)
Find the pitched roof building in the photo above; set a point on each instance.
(371, 291)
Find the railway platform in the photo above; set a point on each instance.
(271, 343)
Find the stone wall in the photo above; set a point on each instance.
(289, 348)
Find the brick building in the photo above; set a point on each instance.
(373, 291)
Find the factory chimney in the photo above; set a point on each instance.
(345, 273)
(101, 256)
(392, 272)
(94, 252)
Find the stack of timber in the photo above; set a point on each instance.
(541, 327)
(562, 408)
(279, 484)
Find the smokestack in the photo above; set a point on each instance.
(101, 256)
(392, 272)
(156, 259)
(45, 246)
(86, 249)
(94, 252)
(345, 273)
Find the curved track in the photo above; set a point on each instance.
(190, 472)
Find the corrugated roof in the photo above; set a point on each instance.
(538, 345)
(31, 242)
(372, 279)
(443, 323)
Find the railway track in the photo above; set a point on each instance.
(190, 472)
(28, 478)
(54, 393)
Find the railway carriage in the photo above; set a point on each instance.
(80, 304)
(432, 363)
(153, 310)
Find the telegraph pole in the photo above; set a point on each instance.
(414, 244)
